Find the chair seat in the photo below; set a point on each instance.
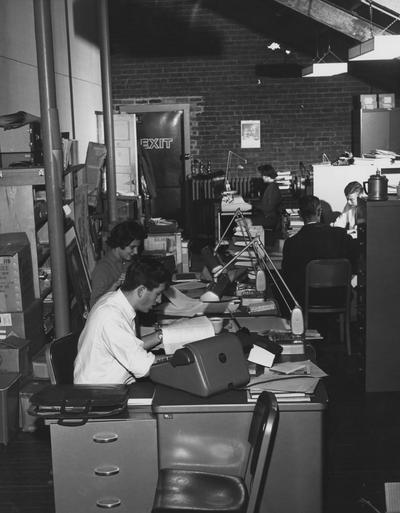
(188, 491)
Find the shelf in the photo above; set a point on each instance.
(22, 176)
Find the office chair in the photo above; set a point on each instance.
(60, 357)
(322, 275)
(193, 491)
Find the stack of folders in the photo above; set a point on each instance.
(290, 382)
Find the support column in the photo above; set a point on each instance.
(53, 163)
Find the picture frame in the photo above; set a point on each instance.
(250, 133)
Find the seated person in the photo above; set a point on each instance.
(348, 218)
(268, 210)
(109, 352)
(313, 241)
(125, 240)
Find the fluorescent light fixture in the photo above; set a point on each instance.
(376, 49)
(324, 69)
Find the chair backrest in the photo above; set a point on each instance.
(325, 273)
(60, 357)
(261, 438)
(328, 274)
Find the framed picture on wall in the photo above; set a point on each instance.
(250, 132)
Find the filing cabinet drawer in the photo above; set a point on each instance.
(101, 465)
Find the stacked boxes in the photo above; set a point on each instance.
(25, 324)
(16, 277)
(20, 324)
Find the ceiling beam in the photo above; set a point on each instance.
(338, 19)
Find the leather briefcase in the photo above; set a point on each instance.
(75, 404)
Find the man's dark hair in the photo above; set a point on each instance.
(124, 233)
(353, 187)
(309, 207)
(267, 170)
(146, 271)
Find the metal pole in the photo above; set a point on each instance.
(53, 163)
(104, 37)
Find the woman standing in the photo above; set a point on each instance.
(268, 210)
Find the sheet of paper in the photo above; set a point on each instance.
(184, 331)
(261, 356)
(292, 367)
(179, 304)
(284, 383)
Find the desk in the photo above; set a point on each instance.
(117, 459)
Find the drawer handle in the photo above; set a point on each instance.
(105, 438)
(108, 502)
(107, 470)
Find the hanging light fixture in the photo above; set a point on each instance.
(325, 69)
(380, 46)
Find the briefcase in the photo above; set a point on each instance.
(75, 404)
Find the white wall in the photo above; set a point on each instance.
(18, 66)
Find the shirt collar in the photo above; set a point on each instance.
(126, 308)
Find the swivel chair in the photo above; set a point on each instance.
(60, 357)
(330, 281)
(193, 491)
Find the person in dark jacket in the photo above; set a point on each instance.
(268, 210)
(314, 241)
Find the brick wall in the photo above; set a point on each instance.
(176, 51)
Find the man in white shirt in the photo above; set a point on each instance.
(109, 352)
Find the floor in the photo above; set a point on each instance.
(362, 443)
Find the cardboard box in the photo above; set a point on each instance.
(39, 365)
(9, 406)
(16, 276)
(386, 101)
(368, 101)
(14, 356)
(26, 324)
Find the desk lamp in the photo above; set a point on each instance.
(265, 262)
(231, 200)
(259, 273)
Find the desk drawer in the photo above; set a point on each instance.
(104, 463)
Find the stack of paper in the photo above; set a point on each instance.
(290, 379)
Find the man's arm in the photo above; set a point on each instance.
(152, 340)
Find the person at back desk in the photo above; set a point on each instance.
(348, 218)
(268, 210)
(109, 352)
(314, 241)
(124, 242)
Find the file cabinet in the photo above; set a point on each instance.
(105, 464)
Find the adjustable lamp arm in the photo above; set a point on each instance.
(228, 165)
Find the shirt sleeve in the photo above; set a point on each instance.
(122, 343)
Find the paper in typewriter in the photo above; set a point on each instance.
(183, 331)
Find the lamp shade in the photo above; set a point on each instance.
(378, 48)
(324, 69)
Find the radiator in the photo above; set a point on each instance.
(203, 188)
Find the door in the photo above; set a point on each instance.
(163, 149)
(126, 169)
